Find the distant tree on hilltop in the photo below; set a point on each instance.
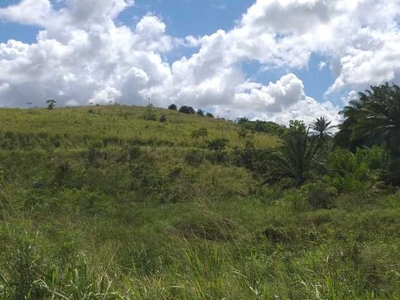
(51, 104)
(187, 110)
(210, 115)
(200, 112)
(172, 107)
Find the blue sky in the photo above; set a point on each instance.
(274, 60)
(197, 18)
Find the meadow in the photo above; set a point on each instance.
(101, 203)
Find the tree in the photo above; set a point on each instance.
(373, 119)
(51, 104)
(210, 115)
(172, 107)
(321, 127)
(242, 120)
(200, 112)
(187, 110)
(296, 155)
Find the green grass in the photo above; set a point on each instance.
(136, 218)
(76, 127)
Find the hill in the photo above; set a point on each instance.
(100, 203)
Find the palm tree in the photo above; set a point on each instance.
(296, 155)
(321, 127)
(381, 117)
(372, 119)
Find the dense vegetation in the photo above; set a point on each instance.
(141, 203)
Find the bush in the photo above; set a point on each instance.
(320, 195)
(172, 107)
(349, 172)
(163, 118)
(210, 115)
(187, 110)
(218, 147)
(200, 112)
(194, 158)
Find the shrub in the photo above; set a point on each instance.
(218, 147)
(163, 118)
(349, 172)
(51, 104)
(187, 110)
(319, 194)
(200, 112)
(194, 158)
(172, 107)
(210, 115)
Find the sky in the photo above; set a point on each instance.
(275, 60)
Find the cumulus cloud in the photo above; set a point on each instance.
(82, 55)
(30, 12)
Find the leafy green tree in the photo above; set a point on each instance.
(172, 107)
(51, 103)
(210, 115)
(242, 120)
(200, 112)
(187, 110)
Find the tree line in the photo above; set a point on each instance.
(364, 154)
(190, 111)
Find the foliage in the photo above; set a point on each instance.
(218, 145)
(51, 104)
(172, 107)
(200, 112)
(200, 133)
(351, 172)
(262, 126)
(163, 118)
(296, 156)
(106, 205)
(320, 194)
(372, 119)
(321, 128)
(187, 110)
(210, 115)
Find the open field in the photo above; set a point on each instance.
(99, 203)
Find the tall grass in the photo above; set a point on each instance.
(86, 213)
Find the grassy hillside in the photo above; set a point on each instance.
(99, 203)
(112, 125)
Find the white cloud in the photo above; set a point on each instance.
(31, 12)
(82, 55)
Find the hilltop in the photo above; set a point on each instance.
(114, 125)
